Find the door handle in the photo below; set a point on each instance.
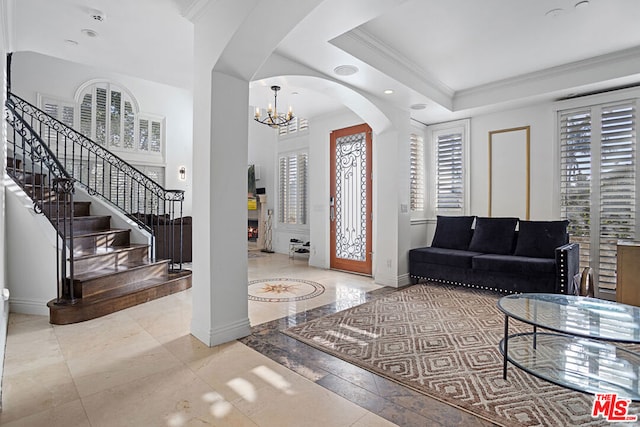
(332, 212)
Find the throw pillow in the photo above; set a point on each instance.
(494, 235)
(539, 239)
(453, 232)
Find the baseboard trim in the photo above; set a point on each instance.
(25, 306)
(393, 281)
(224, 334)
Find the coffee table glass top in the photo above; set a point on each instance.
(574, 315)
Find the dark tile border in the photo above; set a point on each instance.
(372, 392)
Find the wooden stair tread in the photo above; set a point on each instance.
(108, 271)
(132, 287)
(101, 232)
(98, 251)
(90, 217)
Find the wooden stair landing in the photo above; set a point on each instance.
(87, 309)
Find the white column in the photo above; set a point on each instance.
(391, 203)
(220, 311)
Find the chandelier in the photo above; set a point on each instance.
(273, 119)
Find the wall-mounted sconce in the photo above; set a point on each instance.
(182, 173)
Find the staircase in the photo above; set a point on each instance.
(110, 272)
(100, 270)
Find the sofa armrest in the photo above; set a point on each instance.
(567, 266)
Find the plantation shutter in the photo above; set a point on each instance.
(101, 116)
(449, 173)
(416, 173)
(62, 111)
(598, 169)
(293, 189)
(86, 116)
(617, 185)
(575, 178)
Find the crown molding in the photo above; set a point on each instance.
(194, 9)
(6, 21)
(370, 49)
(610, 66)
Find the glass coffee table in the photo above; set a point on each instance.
(580, 347)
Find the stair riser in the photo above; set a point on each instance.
(40, 193)
(116, 238)
(27, 177)
(67, 314)
(94, 287)
(111, 260)
(84, 225)
(79, 209)
(14, 163)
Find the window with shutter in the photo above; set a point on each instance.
(449, 179)
(292, 190)
(598, 170)
(295, 126)
(109, 116)
(449, 182)
(416, 173)
(58, 109)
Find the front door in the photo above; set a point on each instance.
(350, 208)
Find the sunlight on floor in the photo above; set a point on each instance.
(141, 367)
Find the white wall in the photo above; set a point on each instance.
(544, 203)
(34, 73)
(31, 262)
(4, 305)
(543, 156)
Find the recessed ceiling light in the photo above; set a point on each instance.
(582, 4)
(70, 42)
(89, 33)
(554, 12)
(418, 106)
(345, 70)
(388, 92)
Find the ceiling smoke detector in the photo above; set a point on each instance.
(97, 15)
(89, 33)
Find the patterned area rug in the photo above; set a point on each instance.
(283, 290)
(442, 341)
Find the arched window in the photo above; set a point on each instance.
(109, 115)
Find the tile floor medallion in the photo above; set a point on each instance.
(284, 290)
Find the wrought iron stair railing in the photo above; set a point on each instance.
(36, 170)
(104, 174)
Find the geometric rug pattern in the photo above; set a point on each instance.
(283, 290)
(442, 341)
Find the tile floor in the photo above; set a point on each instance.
(141, 367)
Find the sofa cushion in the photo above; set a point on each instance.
(539, 239)
(442, 256)
(514, 264)
(493, 235)
(453, 232)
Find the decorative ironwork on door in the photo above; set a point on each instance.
(350, 197)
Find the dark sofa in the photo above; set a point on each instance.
(494, 255)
